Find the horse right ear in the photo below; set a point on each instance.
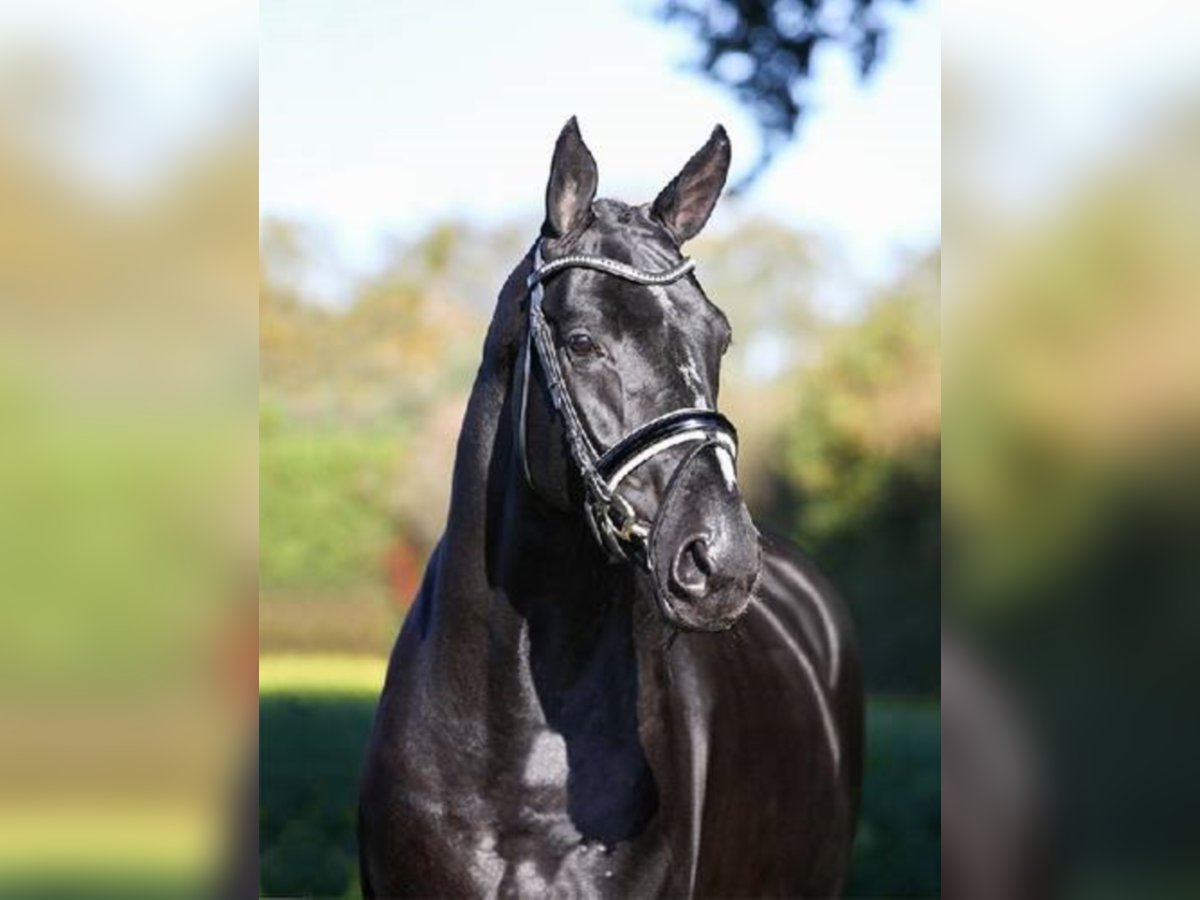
(572, 185)
(686, 203)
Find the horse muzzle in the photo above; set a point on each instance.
(704, 550)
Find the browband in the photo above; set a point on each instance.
(543, 271)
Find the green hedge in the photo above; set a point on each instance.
(897, 852)
(327, 508)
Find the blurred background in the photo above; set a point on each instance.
(128, 429)
(404, 156)
(1071, 385)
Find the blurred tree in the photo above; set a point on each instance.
(764, 275)
(1073, 500)
(763, 50)
(381, 362)
(858, 476)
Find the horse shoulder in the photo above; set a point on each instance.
(808, 608)
(805, 611)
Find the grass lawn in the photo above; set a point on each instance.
(315, 715)
(352, 677)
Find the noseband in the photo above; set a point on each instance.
(614, 522)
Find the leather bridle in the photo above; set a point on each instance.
(614, 522)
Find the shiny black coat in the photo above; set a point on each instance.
(542, 731)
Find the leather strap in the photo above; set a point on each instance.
(614, 522)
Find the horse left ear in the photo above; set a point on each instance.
(686, 203)
(572, 185)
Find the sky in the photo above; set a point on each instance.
(1066, 86)
(381, 116)
(378, 117)
(155, 80)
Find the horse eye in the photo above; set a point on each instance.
(582, 344)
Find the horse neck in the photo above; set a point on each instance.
(531, 630)
(491, 513)
(509, 563)
(504, 548)
(462, 583)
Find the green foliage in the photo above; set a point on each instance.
(897, 851)
(327, 508)
(860, 479)
(1073, 429)
(408, 337)
(310, 754)
(109, 566)
(1072, 385)
(867, 414)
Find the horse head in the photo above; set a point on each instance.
(626, 348)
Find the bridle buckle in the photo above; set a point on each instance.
(625, 520)
(617, 528)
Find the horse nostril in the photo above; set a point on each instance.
(692, 568)
(699, 550)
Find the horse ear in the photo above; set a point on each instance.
(686, 203)
(572, 185)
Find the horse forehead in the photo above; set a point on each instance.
(662, 313)
(664, 323)
(671, 357)
(628, 234)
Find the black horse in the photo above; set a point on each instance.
(611, 684)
